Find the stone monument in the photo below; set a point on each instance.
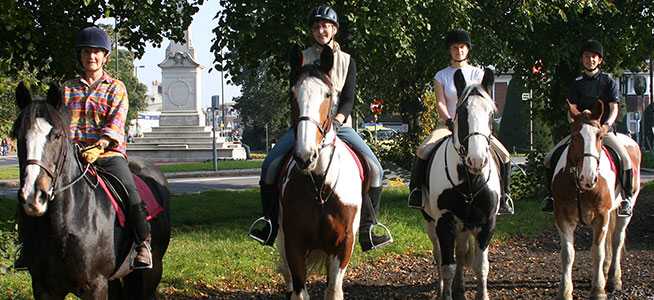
(182, 134)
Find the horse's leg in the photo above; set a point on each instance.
(446, 231)
(566, 234)
(430, 228)
(598, 252)
(614, 278)
(283, 267)
(462, 259)
(480, 261)
(98, 290)
(335, 278)
(297, 267)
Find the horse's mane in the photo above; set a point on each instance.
(312, 70)
(39, 109)
(476, 90)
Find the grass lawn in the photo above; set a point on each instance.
(11, 172)
(209, 250)
(208, 166)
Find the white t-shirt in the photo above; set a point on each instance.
(445, 77)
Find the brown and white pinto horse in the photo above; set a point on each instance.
(586, 191)
(321, 189)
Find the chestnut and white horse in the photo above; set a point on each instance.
(321, 189)
(586, 191)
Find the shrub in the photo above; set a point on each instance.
(530, 184)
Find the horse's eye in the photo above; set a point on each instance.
(328, 95)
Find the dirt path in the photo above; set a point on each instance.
(522, 268)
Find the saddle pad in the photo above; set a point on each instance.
(355, 157)
(152, 206)
(609, 155)
(120, 214)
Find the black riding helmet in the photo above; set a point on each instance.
(93, 37)
(323, 12)
(458, 36)
(593, 46)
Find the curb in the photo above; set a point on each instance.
(9, 183)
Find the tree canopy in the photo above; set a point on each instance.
(40, 33)
(399, 44)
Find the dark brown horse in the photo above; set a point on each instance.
(71, 240)
(586, 191)
(321, 190)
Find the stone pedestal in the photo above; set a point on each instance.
(182, 134)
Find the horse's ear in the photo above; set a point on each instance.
(459, 82)
(326, 59)
(54, 97)
(488, 80)
(295, 61)
(572, 108)
(597, 110)
(23, 97)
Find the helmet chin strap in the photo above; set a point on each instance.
(328, 42)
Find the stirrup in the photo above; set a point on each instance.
(415, 205)
(548, 205)
(141, 265)
(372, 242)
(624, 213)
(252, 227)
(509, 206)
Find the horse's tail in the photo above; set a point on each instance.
(467, 248)
(317, 262)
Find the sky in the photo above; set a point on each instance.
(201, 39)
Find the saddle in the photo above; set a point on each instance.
(117, 194)
(358, 158)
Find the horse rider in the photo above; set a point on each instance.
(459, 46)
(324, 26)
(591, 86)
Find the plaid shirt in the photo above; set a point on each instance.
(97, 111)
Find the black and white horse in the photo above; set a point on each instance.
(464, 191)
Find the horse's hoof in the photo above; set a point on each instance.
(613, 286)
(598, 297)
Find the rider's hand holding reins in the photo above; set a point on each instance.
(90, 154)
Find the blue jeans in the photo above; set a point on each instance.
(270, 166)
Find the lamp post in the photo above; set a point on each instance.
(214, 104)
(136, 71)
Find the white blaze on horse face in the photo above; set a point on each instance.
(310, 94)
(588, 173)
(35, 140)
(479, 112)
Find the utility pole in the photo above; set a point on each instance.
(222, 91)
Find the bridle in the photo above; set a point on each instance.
(574, 169)
(462, 148)
(58, 167)
(323, 129)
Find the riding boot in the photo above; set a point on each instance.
(626, 206)
(370, 206)
(418, 175)
(264, 229)
(142, 238)
(548, 201)
(506, 203)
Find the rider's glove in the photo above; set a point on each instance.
(450, 124)
(337, 124)
(90, 154)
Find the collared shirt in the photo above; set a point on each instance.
(586, 90)
(97, 110)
